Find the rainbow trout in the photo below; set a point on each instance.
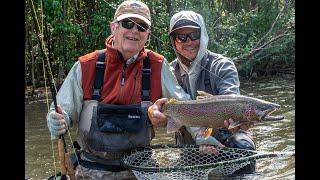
(211, 111)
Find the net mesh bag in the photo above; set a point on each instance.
(184, 162)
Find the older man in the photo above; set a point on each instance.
(107, 93)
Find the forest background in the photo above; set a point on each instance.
(258, 35)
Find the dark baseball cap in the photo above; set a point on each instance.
(183, 23)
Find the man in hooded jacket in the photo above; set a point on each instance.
(197, 68)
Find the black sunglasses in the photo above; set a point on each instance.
(142, 27)
(183, 37)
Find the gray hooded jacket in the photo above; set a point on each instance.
(223, 75)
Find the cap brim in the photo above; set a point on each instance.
(123, 16)
(190, 26)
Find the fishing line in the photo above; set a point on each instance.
(54, 88)
(40, 35)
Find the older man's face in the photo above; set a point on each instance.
(127, 39)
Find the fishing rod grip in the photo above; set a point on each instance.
(61, 152)
(70, 167)
(62, 149)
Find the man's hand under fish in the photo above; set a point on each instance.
(157, 118)
(243, 126)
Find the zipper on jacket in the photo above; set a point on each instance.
(134, 85)
(123, 74)
(122, 81)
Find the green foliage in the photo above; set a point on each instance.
(239, 33)
(236, 29)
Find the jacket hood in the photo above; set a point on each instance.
(198, 19)
(195, 68)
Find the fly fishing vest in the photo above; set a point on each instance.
(108, 131)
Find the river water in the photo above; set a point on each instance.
(269, 136)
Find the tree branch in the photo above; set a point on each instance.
(272, 26)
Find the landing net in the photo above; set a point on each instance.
(185, 162)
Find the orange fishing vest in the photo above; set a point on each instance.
(112, 91)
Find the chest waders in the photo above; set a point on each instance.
(107, 131)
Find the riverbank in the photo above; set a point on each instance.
(41, 93)
(36, 94)
(256, 78)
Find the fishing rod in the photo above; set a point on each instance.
(62, 148)
(65, 162)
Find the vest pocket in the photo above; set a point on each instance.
(120, 118)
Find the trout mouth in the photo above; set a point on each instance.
(268, 117)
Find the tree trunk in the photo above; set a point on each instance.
(90, 4)
(77, 20)
(30, 45)
(253, 4)
(169, 7)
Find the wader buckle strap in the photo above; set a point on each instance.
(207, 81)
(100, 67)
(146, 73)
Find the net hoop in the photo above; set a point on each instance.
(176, 162)
(240, 156)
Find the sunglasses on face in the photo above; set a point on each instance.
(183, 37)
(142, 27)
